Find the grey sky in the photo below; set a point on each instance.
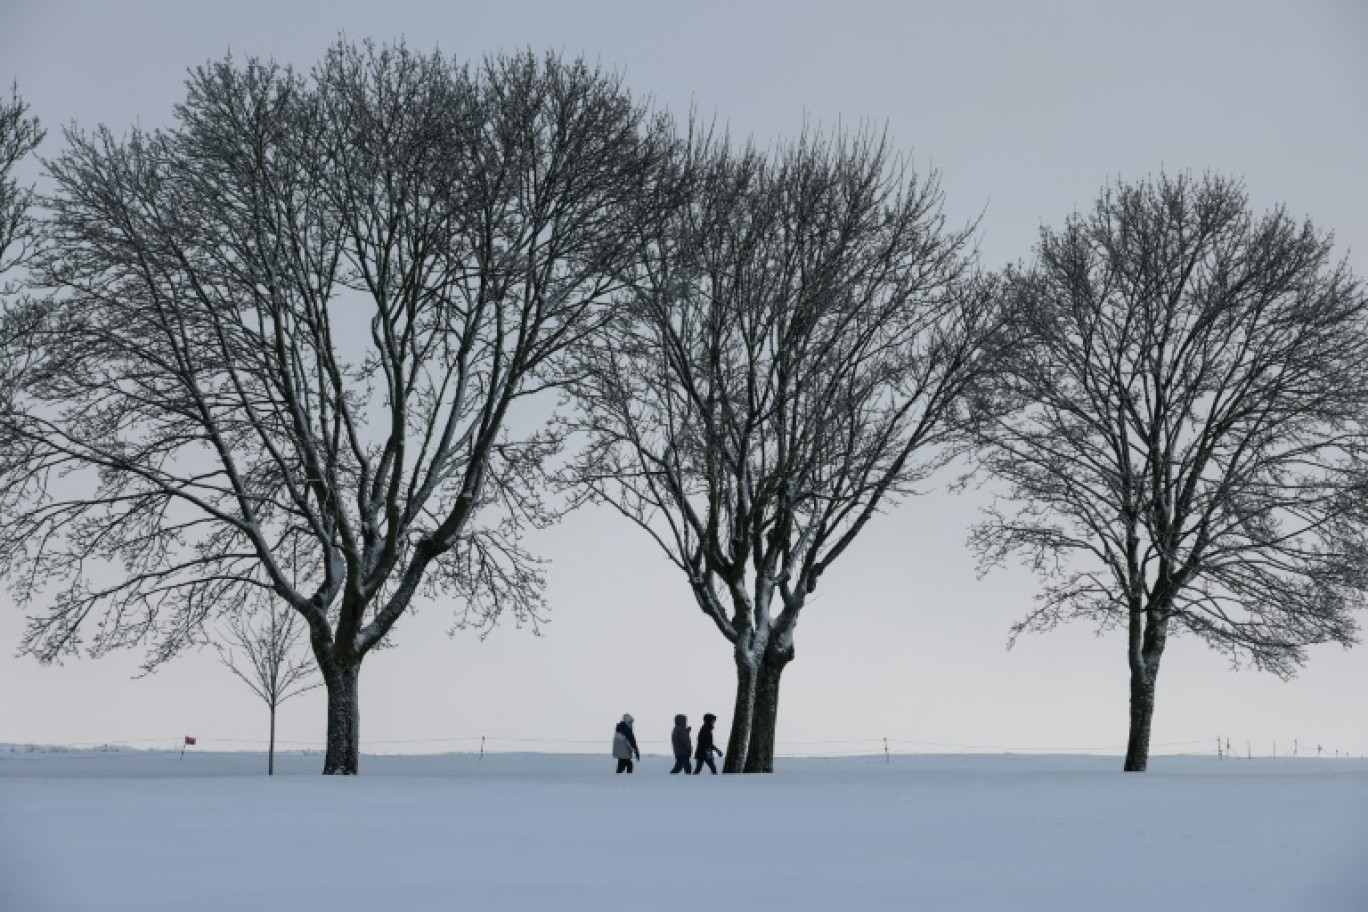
(1027, 109)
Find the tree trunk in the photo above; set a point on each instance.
(760, 757)
(1144, 674)
(344, 722)
(270, 751)
(738, 744)
(1141, 714)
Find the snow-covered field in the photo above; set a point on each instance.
(145, 831)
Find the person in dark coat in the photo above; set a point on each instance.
(682, 744)
(625, 744)
(705, 750)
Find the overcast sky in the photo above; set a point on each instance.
(1027, 109)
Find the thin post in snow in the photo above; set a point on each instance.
(886, 757)
(482, 739)
(1219, 755)
(1249, 751)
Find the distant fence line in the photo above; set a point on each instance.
(494, 744)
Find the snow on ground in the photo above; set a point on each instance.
(145, 831)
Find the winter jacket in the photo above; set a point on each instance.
(624, 742)
(682, 743)
(705, 742)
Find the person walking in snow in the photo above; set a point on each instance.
(704, 753)
(625, 744)
(682, 744)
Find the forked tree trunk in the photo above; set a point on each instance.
(344, 722)
(1144, 674)
(738, 744)
(760, 757)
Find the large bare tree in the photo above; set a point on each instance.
(792, 363)
(313, 318)
(1180, 431)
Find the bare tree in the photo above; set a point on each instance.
(263, 651)
(792, 363)
(1181, 428)
(315, 317)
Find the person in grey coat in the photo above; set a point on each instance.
(682, 744)
(625, 744)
